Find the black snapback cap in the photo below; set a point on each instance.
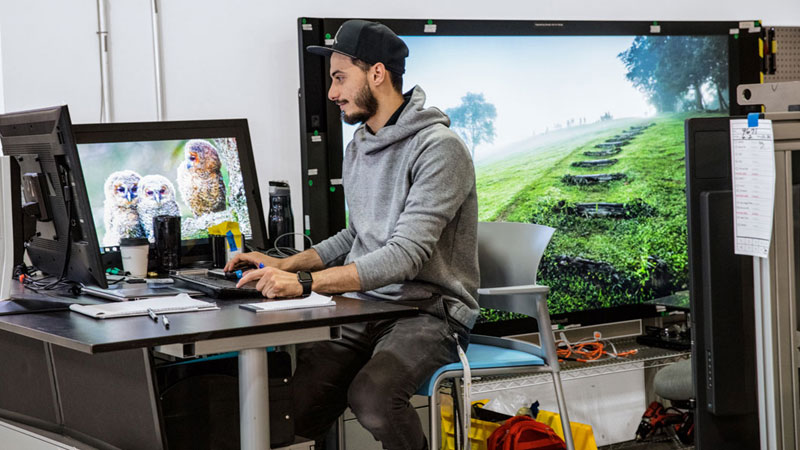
(371, 42)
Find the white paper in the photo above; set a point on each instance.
(178, 303)
(753, 170)
(312, 301)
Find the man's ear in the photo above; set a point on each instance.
(378, 74)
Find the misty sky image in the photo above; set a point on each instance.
(535, 82)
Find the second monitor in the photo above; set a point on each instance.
(202, 171)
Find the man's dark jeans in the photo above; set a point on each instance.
(375, 369)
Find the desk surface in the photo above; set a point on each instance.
(88, 335)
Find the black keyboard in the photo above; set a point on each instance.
(217, 287)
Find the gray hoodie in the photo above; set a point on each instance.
(412, 232)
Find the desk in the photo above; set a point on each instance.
(199, 333)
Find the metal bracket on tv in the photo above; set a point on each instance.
(776, 97)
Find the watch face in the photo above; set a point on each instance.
(305, 280)
(304, 276)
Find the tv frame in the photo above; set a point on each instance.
(321, 129)
(194, 250)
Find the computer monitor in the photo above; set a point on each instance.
(575, 125)
(202, 171)
(62, 242)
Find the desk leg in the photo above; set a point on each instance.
(253, 399)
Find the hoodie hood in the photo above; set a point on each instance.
(414, 118)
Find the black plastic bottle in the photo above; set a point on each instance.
(280, 219)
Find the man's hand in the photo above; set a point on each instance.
(273, 283)
(252, 258)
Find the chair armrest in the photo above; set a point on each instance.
(510, 344)
(509, 290)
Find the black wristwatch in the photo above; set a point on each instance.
(305, 280)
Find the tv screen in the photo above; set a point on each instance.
(584, 133)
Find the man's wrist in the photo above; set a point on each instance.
(305, 280)
(287, 264)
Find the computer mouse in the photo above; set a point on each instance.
(233, 275)
(244, 266)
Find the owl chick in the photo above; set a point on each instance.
(120, 216)
(156, 198)
(199, 178)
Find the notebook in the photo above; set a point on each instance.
(312, 301)
(160, 305)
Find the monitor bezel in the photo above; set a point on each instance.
(321, 129)
(194, 250)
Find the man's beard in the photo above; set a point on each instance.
(368, 104)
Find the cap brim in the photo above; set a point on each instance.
(319, 50)
(325, 51)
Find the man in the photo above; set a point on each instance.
(412, 238)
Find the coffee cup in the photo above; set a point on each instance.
(134, 253)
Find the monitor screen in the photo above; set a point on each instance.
(582, 132)
(198, 180)
(202, 171)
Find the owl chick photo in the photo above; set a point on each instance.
(157, 198)
(120, 213)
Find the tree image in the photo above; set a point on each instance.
(473, 120)
(673, 71)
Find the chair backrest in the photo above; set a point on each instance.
(509, 255)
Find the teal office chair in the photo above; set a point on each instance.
(509, 255)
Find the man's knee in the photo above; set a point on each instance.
(372, 401)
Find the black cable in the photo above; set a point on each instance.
(40, 285)
(283, 252)
(68, 204)
(111, 283)
(61, 281)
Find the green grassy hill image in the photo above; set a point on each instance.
(620, 236)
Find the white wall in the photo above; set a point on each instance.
(49, 52)
(238, 58)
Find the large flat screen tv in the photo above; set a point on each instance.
(575, 125)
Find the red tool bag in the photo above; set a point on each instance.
(524, 433)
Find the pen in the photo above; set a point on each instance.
(152, 314)
(166, 322)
